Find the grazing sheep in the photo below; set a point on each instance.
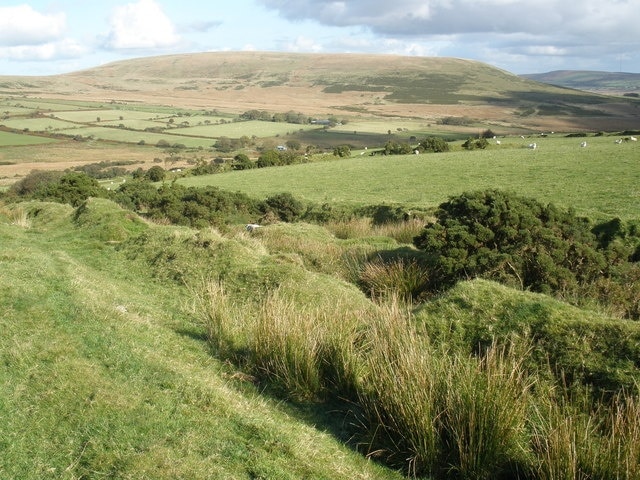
(583, 144)
(252, 226)
(533, 146)
(497, 142)
(633, 139)
(619, 141)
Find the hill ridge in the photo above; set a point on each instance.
(328, 83)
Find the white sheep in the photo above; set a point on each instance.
(533, 146)
(583, 144)
(633, 139)
(497, 142)
(252, 226)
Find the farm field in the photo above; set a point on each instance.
(601, 180)
(16, 139)
(249, 128)
(91, 116)
(134, 136)
(39, 124)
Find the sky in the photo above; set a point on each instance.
(47, 37)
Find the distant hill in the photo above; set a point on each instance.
(614, 83)
(321, 84)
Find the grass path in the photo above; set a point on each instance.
(103, 374)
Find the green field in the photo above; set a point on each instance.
(39, 124)
(250, 128)
(16, 139)
(601, 180)
(133, 136)
(91, 116)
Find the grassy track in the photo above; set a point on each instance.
(600, 180)
(104, 374)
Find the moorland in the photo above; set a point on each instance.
(444, 282)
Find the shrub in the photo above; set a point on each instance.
(504, 237)
(285, 207)
(155, 174)
(473, 143)
(242, 162)
(433, 144)
(342, 151)
(270, 158)
(34, 181)
(73, 188)
(397, 148)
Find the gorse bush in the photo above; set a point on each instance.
(523, 243)
(71, 187)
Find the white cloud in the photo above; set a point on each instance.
(22, 25)
(141, 25)
(63, 49)
(550, 29)
(303, 44)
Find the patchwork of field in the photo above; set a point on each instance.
(133, 124)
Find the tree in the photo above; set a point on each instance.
(155, 174)
(285, 207)
(242, 162)
(397, 148)
(73, 188)
(433, 144)
(342, 151)
(270, 158)
(223, 144)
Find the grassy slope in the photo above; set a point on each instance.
(600, 180)
(103, 372)
(614, 82)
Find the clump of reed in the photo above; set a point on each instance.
(427, 408)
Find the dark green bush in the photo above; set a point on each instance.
(397, 148)
(433, 144)
(501, 236)
(242, 162)
(73, 188)
(34, 181)
(342, 151)
(285, 207)
(155, 174)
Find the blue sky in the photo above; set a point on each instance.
(46, 37)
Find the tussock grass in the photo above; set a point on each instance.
(361, 227)
(428, 407)
(573, 440)
(18, 216)
(404, 278)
